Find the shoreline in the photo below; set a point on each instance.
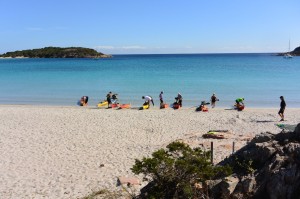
(134, 107)
(57, 151)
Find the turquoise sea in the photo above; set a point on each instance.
(259, 78)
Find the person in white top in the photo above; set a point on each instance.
(148, 99)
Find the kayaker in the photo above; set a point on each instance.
(84, 101)
(161, 98)
(202, 107)
(108, 98)
(147, 100)
(213, 100)
(114, 99)
(239, 101)
(282, 108)
(179, 99)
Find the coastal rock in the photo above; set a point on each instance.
(295, 52)
(276, 162)
(297, 129)
(128, 180)
(263, 137)
(228, 186)
(214, 187)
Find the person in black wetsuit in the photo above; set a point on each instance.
(179, 99)
(282, 108)
(213, 100)
(108, 98)
(161, 97)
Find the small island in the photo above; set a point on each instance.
(56, 52)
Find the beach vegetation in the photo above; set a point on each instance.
(243, 165)
(178, 172)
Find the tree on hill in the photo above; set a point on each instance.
(56, 52)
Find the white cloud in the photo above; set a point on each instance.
(120, 47)
(133, 47)
(104, 47)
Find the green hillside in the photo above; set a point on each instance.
(56, 52)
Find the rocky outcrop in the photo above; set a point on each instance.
(295, 52)
(268, 167)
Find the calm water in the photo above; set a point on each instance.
(259, 78)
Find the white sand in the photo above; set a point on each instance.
(56, 152)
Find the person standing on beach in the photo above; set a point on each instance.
(161, 98)
(108, 98)
(282, 108)
(213, 100)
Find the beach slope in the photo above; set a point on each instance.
(68, 152)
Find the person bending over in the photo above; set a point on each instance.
(147, 100)
(239, 101)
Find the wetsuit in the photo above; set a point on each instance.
(108, 98)
(179, 99)
(282, 107)
(161, 98)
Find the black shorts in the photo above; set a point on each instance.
(281, 111)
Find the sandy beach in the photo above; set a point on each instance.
(69, 152)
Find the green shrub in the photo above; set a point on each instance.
(175, 171)
(243, 165)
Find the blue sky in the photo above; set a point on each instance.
(156, 26)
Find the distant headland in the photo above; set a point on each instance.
(56, 52)
(295, 52)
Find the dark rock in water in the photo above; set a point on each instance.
(268, 167)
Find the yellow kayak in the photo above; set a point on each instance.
(104, 103)
(146, 106)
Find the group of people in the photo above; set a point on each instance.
(111, 99)
(148, 99)
(239, 102)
